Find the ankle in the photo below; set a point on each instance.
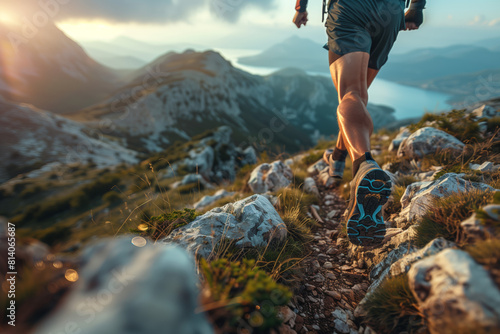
(356, 163)
(339, 155)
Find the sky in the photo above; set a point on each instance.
(243, 24)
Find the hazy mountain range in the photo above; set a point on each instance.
(457, 69)
(109, 116)
(51, 71)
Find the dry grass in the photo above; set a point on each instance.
(392, 308)
(446, 215)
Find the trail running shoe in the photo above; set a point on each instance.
(370, 190)
(336, 167)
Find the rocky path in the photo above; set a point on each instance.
(333, 285)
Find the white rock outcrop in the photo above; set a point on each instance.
(418, 196)
(455, 294)
(251, 222)
(125, 289)
(428, 141)
(270, 177)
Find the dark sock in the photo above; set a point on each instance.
(356, 163)
(339, 155)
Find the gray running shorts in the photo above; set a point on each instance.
(370, 26)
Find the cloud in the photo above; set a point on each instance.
(478, 20)
(495, 22)
(141, 11)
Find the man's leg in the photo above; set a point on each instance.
(371, 74)
(350, 76)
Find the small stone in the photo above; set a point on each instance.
(331, 276)
(331, 251)
(346, 268)
(315, 293)
(316, 316)
(358, 288)
(316, 327)
(333, 294)
(332, 214)
(341, 326)
(312, 299)
(322, 242)
(319, 278)
(310, 287)
(300, 299)
(328, 265)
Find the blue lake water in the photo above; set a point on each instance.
(408, 102)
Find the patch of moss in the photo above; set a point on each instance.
(392, 308)
(237, 292)
(312, 158)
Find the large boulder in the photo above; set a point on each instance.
(270, 177)
(123, 289)
(428, 141)
(418, 196)
(251, 222)
(455, 294)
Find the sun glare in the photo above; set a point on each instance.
(7, 18)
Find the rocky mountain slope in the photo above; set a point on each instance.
(272, 255)
(35, 138)
(180, 95)
(49, 70)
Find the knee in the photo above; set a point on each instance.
(357, 95)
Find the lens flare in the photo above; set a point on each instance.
(7, 18)
(71, 275)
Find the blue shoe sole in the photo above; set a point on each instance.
(365, 225)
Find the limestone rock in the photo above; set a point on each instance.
(455, 294)
(428, 141)
(402, 135)
(209, 200)
(418, 196)
(473, 227)
(192, 179)
(124, 289)
(249, 156)
(270, 177)
(434, 247)
(485, 111)
(484, 167)
(310, 186)
(317, 167)
(251, 222)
